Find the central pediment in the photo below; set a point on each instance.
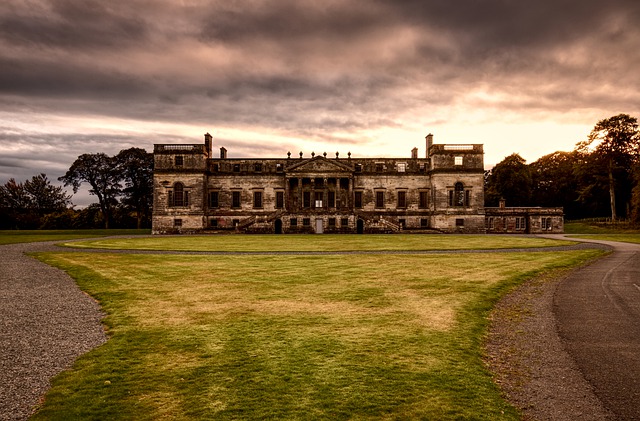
(319, 164)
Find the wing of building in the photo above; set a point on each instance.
(442, 192)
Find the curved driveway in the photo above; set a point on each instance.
(597, 310)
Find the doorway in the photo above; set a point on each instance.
(278, 226)
(360, 226)
(319, 226)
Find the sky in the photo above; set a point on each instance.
(368, 77)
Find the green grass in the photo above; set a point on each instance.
(581, 227)
(625, 238)
(291, 337)
(31, 236)
(339, 242)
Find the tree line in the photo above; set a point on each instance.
(123, 185)
(599, 178)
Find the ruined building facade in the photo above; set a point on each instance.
(442, 192)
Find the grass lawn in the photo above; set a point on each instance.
(625, 238)
(31, 236)
(579, 227)
(291, 337)
(336, 242)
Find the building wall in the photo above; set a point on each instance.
(444, 192)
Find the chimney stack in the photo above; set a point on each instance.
(414, 153)
(208, 144)
(429, 139)
(223, 153)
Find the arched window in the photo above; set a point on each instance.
(179, 196)
(458, 195)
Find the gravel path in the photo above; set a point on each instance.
(46, 322)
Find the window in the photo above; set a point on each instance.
(358, 168)
(279, 168)
(379, 199)
(215, 168)
(214, 199)
(344, 222)
(306, 222)
(458, 160)
(457, 195)
(257, 167)
(257, 200)
(459, 222)
(293, 222)
(402, 223)
(279, 199)
(318, 199)
(177, 223)
(402, 167)
(235, 199)
(332, 222)
(520, 223)
(235, 222)
(179, 196)
(379, 167)
(546, 224)
(306, 199)
(179, 160)
(331, 199)
(213, 223)
(491, 223)
(358, 199)
(424, 223)
(236, 167)
(402, 199)
(424, 200)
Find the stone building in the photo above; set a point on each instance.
(197, 192)
(524, 220)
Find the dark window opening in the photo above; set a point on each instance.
(358, 199)
(458, 194)
(235, 222)
(293, 222)
(332, 222)
(179, 196)
(459, 222)
(402, 199)
(214, 199)
(379, 199)
(215, 168)
(213, 223)
(306, 199)
(235, 199)
(257, 199)
(402, 223)
(257, 167)
(358, 168)
(424, 199)
(179, 160)
(424, 223)
(236, 167)
(279, 199)
(306, 222)
(177, 222)
(379, 167)
(344, 222)
(331, 199)
(279, 168)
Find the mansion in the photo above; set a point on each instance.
(442, 192)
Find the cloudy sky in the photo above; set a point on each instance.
(266, 77)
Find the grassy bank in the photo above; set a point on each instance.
(291, 337)
(31, 236)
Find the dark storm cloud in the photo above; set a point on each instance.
(308, 70)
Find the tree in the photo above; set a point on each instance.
(554, 182)
(510, 179)
(135, 166)
(45, 197)
(614, 145)
(24, 205)
(101, 173)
